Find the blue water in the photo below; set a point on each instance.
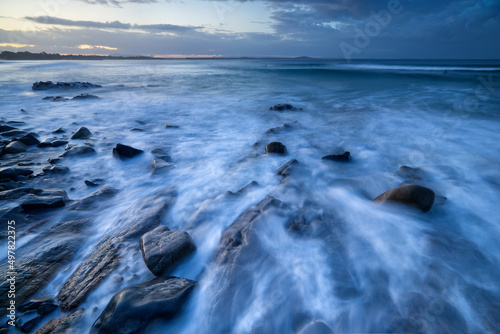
(436, 272)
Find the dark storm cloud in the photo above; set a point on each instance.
(110, 25)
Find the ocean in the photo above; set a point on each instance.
(375, 268)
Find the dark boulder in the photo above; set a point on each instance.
(5, 128)
(143, 216)
(344, 157)
(46, 85)
(287, 168)
(65, 325)
(29, 140)
(283, 107)
(14, 147)
(85, 96)
(275, 147)
(82, 132)
(414, 195)
(56, 169)
(163, 249)
(79, 150)
(124, 152)
(132, 308)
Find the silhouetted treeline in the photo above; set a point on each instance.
(8, 55)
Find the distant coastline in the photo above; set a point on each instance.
(25, 55)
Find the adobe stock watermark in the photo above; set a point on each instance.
(372, 28)
(11, 273)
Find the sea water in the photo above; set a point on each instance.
(439, 271)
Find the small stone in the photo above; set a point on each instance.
(160, 165)
(283, 107)
(123, 151)
(85, 96)
(275, 147)
(59, 130)
(29, 140)
(58, 142)
(344, 157)
(413, 195)
(47, 142)
(137, 129)
(14, 133)
(82, 132)
(171, 125)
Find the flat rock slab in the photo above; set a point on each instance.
(46, 85)
(40, 260)
(162, 249)
(413, 195)
(77, 151)
(142, 217)
(132, 308)
(14, 172)
(47, 199)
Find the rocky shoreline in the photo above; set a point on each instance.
(29, 156)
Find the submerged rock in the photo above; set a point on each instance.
(29, 140)
(46, 85)
(124, 152)
(5, 128)
(132, 308)
(64, 325)
(160, 165)
(59, 130)
(27, 321)
(161, 154)
(163, 249)
(344, 157)
(79, 150)
(82, 132)
(94, 182)
(14, 133)
(42, 305)
(58, 142)
(47, 142)
(283, 107)
(143, 216)
(56, 98)
(275, 147)
(94, 200)
(85, 96)
(414, 195)
(15, 147)
(171, 125)
(287, 168)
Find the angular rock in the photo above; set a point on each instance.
(27, 321)
(143, 216)
(59, 130)
(18, 193)
(56, 169)
(287, 168)
(29, 140)
(344, 157)
(275, 147)
(94, 200)
(46, 85)
(283, 107)
(82, 132)
(161, 154)
(64, 325)
(5, 128)
(85, 96)
(94, 182)
(15, 147)
(163, 249)
(58, 142)
(79, 150)
(44, 200)
(14, 172)
(38, 261)
(124, 152)
(413, 195)
(132, 308)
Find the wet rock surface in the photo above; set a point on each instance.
(46, 85)
(64, 325)
(344, 157)
(125, 152)
(81, 133)
(78, 151)
(163, 249)
(275, 147)
(140, 218)
(413, 195)
(131, 309)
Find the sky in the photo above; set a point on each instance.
(390, 29)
